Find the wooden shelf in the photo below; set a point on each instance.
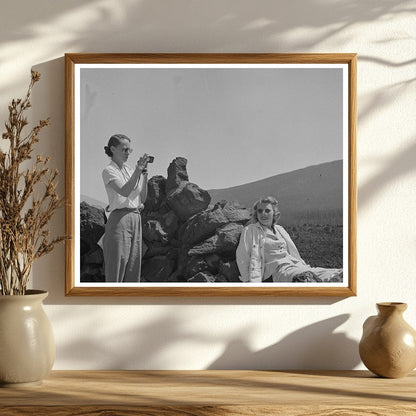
(203, 393)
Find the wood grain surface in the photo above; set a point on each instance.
(203, 393)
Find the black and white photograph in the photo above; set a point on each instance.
(207, 176)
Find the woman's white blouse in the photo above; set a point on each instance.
(275, 249)
(116, 201)
(261, 255)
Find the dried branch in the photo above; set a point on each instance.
(24, 217)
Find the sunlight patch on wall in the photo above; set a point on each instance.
(41, 42)
(258, 24)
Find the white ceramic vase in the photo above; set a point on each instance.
(27, 346)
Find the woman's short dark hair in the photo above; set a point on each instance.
(115, 140)
(267, 200)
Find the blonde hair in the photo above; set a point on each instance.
(266, 200)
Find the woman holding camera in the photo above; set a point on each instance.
(127, 191)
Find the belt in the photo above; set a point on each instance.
(138, 210)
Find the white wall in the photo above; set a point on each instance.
(201, 333)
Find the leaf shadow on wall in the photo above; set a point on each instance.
(396, 167)
(150, 26)
(241, 30)
(120, 345)
(153, 344)
(403, 162)
(312, 347)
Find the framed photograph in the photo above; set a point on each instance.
(211, 174)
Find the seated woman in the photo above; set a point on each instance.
(266, 253)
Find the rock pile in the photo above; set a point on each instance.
(92, 220)
(186, 238)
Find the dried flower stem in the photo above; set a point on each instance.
(23, 217)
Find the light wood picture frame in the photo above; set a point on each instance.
(242, 127)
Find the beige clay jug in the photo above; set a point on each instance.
(27, 347)
(388, 345)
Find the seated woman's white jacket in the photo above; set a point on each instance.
(250, 251)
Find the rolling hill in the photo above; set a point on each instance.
(310, 194)
(93, 202)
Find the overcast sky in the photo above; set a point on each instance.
(233, 125)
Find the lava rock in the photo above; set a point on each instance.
(188, 199)
(229, 270)
(202, 277)
(198, 264)
(234, 211)
(177, 173)
(92, 223)
(157, 269)
(156, 193)
(224, 241)
(160, 226)
(202, 225)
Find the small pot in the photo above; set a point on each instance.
(388, 345)
(27, 346)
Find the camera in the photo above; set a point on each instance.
(151, 159)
